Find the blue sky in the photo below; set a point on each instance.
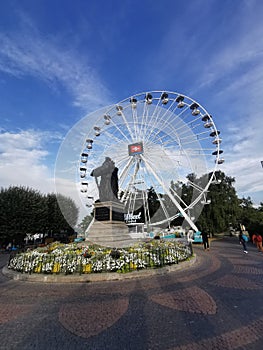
(60, 60)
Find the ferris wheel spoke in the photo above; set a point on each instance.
(123, 133)
(184, 127)
(128, 124)
(182, 116)
(152, 120)
(113, 136)
(153, 184)
(176, 195)
(164, 210)
(169, 194)
(153, 129)
(162, 117)
(176, 130)
(163, 121)
(144, 119)
(165, 138)
(130, 183)
(135, 121)
(125, 170)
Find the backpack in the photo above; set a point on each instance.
(245, 238)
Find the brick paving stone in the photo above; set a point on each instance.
(215, 303)
(9, 312)
(104, 314)
(239, 338)
(248, 270)
(231, 281)
(245, 260)
(191, 299)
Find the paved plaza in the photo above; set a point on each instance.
(215, 303)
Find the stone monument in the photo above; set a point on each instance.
(108, 227)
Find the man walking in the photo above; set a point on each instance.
(205, 240)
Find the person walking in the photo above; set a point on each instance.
(205, 240)
(257, 240)
(243, 242)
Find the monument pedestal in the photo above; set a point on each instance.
(109, 228)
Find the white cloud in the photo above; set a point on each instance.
(24, 140)
(28, 53)
(22, 160)
(243, 154)
(234, 72)
(22, 163)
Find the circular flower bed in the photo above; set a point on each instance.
(73, 258)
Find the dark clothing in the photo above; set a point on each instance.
(114, 182)
(205, 240)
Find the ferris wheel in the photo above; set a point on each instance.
(156, 139)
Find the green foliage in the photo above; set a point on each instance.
(21, 212)
(260, 208)
(82, 227)
(153, 202)
(24, 210)
(224, 210)
(62, 212)
(250, 217)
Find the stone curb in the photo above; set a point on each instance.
(96, 277)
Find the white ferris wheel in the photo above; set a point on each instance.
(156, 139)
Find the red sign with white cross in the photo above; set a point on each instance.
(135, 148)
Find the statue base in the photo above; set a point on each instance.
(109, 228)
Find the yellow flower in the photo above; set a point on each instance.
(56, 267)
(38, 268)
(133, 266)
(87, 268)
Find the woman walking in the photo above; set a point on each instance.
(243, 242)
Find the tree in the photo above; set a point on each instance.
(224, 209)
(153, 201)
(82, 227)
(251, 217)
(260, 208)
(61, 213)
(22, 210)
(26, 211)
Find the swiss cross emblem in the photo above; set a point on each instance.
(135, 148)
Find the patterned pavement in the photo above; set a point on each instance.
(214, 304)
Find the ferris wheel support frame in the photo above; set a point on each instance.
(187, 218)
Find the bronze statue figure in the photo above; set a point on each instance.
(108, 185)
